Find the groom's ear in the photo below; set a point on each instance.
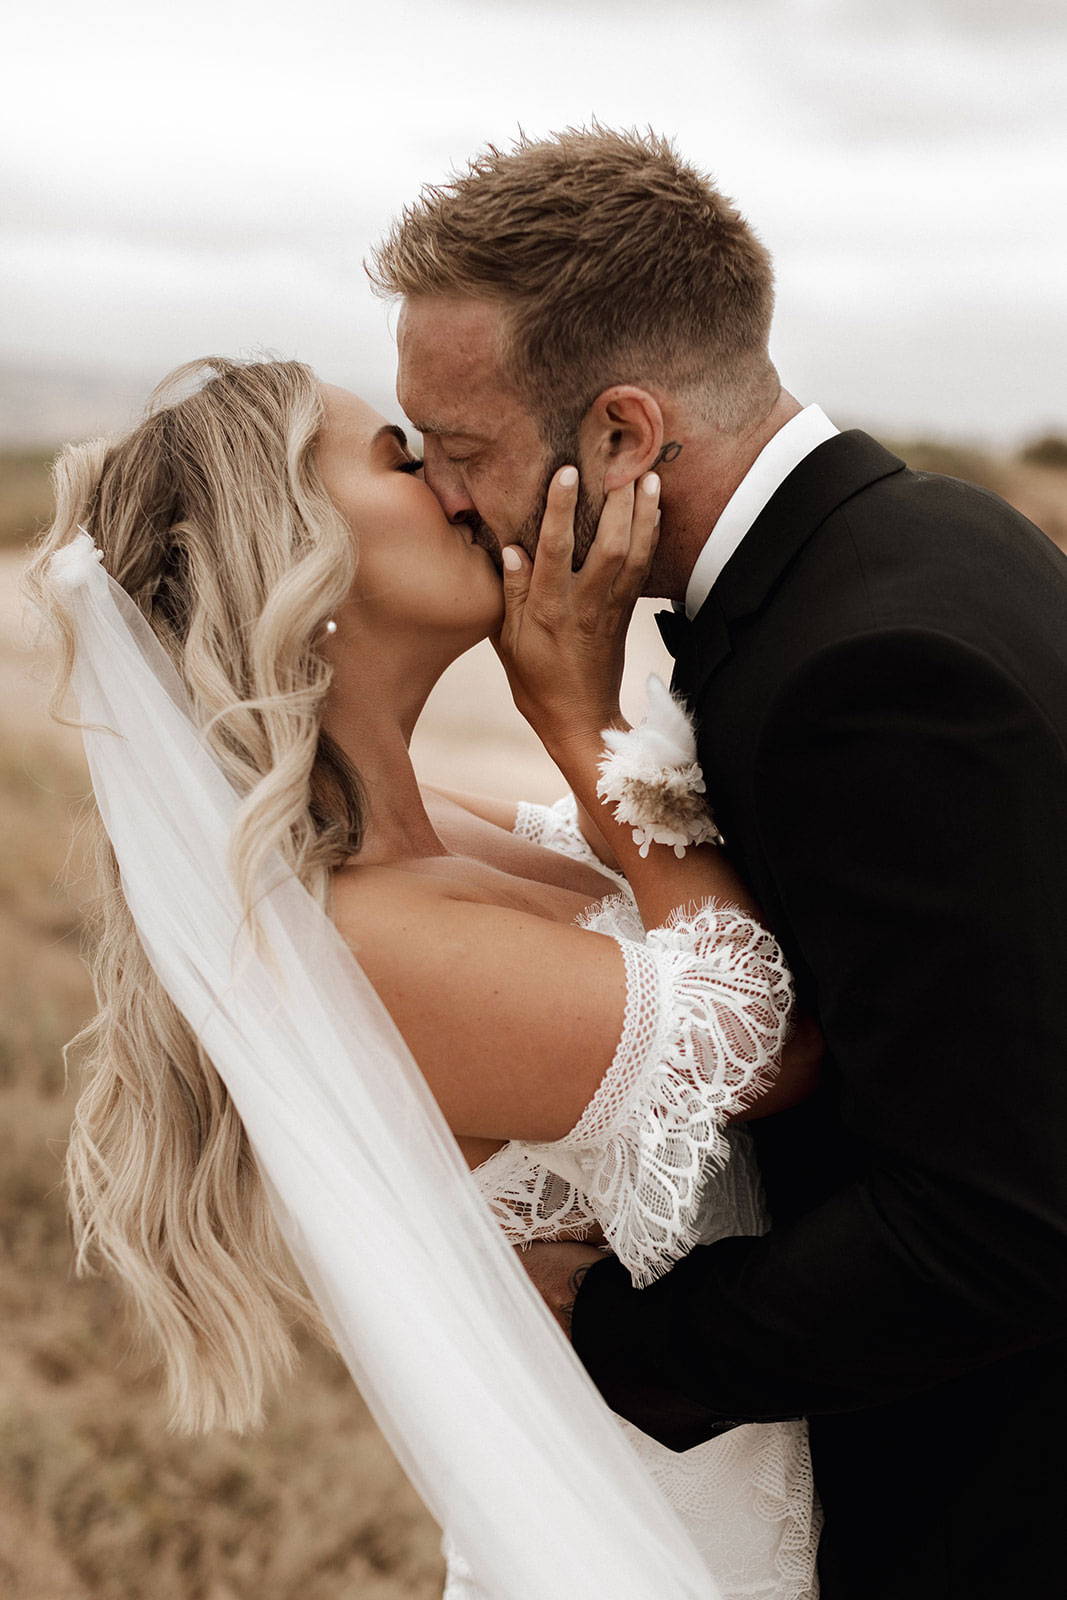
(621, 434)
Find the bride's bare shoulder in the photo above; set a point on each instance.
(390, 917)
(362, 895)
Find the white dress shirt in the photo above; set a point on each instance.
(770, 469)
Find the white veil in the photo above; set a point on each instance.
(489, 1411)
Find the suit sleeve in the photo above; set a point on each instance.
(912, 803)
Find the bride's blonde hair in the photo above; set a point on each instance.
(212, 517)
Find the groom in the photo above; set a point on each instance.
(878, 663)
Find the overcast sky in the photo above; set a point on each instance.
(207, 175)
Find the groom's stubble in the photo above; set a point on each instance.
(586, 512)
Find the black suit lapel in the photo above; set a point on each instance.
(824, 480)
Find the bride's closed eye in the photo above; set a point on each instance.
(410, 466)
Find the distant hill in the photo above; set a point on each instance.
(43, 407)
(1033, 478)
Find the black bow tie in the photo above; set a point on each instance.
(675, 628)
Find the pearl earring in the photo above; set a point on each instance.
(331, 626)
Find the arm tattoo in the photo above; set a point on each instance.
(574, 1283)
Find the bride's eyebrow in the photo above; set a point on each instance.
(391, 431)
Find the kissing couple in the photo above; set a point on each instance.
(755, 1043)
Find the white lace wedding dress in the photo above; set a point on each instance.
(652, 1161)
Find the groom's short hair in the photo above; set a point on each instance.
(617, 262)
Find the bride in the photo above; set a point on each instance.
(593, 1023)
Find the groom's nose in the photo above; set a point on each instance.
(447, 484)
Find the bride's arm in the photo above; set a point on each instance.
(501, 813)
(512, 1019)
(504, 814)
(562, 645)
(515, 1020)
(616, 1063)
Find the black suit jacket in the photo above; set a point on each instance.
(880, 678)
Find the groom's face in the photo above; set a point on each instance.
(485, 458)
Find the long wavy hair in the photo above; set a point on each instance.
(212, 517)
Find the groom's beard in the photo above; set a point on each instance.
(483, 535)
(586, 516)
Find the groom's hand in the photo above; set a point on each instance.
(563, 639)
(557, 1270)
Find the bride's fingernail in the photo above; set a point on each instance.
(511, 558)
(568, 477)
(650, 483)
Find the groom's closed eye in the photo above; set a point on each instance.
(455, 447)
(459, 455)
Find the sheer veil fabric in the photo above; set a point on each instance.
(487, 1408)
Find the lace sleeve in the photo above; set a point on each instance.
(556, 827)
(708, 1004)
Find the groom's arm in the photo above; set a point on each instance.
(912, 802)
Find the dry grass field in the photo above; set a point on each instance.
(25, 498)
(97, 1500)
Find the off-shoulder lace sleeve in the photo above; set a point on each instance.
(708, 1004)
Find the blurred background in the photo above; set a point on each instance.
(179, 181)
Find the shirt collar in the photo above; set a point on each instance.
(778, 458)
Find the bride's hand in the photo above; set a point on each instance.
(557, 1269)
(564, 633)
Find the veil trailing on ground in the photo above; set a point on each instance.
(486, 1406)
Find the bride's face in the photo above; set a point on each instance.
(416, 569)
